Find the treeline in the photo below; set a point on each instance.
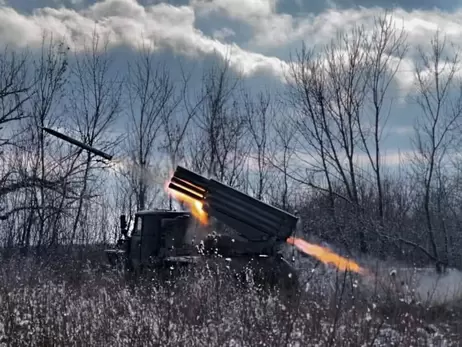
(298, 149)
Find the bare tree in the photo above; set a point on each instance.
(386, 49)
(307, 92)
(219, 145)
(328, 92)
(282, 160)
(152, 100)
(177, 124)
(49, 79)
(14, 88)
(259, 113)
(438, 127)
(346, 73)
(331, 90)
(34, 174)
(95, 103)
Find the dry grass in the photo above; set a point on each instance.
(67, 305)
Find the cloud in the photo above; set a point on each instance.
(175, 28)
(388, 158)
(223, 34)
(259, 14)
(127, 22)
(402, 130)
(272, 28)
(242, 9)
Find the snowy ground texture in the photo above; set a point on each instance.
(62, 304)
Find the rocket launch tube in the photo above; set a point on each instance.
(192, 177)
(190, 186)
(185, 191)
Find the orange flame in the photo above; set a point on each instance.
(195, 205)
(325, 255)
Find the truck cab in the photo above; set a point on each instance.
(156, 235)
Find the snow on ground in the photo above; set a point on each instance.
(74, 307)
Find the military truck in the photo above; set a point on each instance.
(244, 234)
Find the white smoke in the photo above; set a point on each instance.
(437, 289)
(422, 286)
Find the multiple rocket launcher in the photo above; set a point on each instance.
(253, 219)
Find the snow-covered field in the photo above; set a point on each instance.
(62, 306)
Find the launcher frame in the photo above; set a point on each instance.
(251, 218)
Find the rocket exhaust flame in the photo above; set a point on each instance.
(180, 191)
(326, 255)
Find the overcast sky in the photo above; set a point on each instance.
(260, 34)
